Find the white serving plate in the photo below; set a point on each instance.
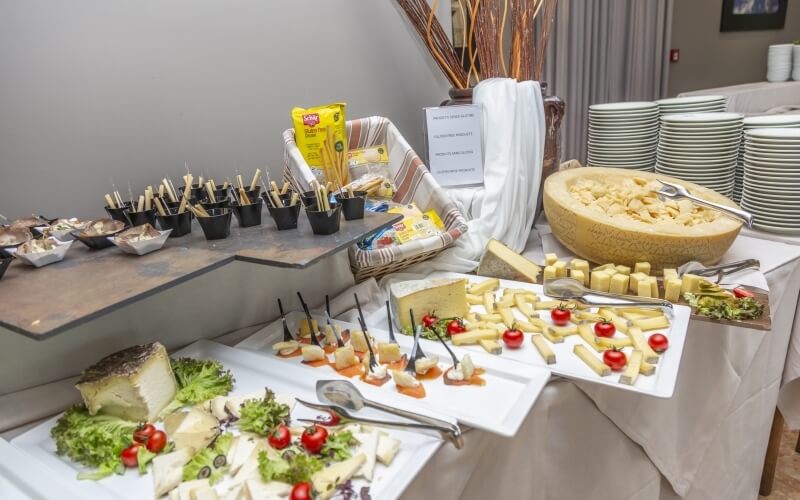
(771, 155)
(773, 173)
(771, 120)
(776, 229)
(498, 407)
(41, 259)
(692, 99)
(21, 478)
(252, 372)
(705, 118)
(661, 384)
(143, 247)
(631, 134)
(623, 106)
(788, 134)
(700, 142)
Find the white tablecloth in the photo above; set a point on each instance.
(756, 98)
(708, 441)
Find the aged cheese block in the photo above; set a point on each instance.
(447, 298)
(598, 228)
(499, 261)
(134, 384)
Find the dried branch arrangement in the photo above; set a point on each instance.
(485, 25)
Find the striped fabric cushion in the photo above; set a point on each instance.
(411, 177)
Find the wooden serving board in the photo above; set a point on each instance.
(763, 324)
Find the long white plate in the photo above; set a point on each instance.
(498, 407)
(661, 384)
(21, 478)
(252, 372)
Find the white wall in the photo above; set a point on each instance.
(94, 90)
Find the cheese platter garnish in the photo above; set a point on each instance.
(520, 322)
(207, 436)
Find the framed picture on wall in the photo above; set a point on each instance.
(747, 15)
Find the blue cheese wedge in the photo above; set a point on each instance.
(134, 384)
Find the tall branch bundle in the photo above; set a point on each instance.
(483, 41)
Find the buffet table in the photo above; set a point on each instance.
(755, 98)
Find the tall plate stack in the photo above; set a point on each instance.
(779, 62)
(751, 122)
(623, 135)
(772, 179)
(701, 148)
(692, 104)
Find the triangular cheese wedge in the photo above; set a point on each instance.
(369, 447)
(168, 470)
(326, 480)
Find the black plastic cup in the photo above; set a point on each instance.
(220, 203)
(181, 224)
(218, 193)
(325, 221)
(248, 215)
(353, 208)
(143, 217)
(197, 192)
(309, 198)
(252, 192)
(285, 217)
(218, 225)
(4, 263)
(285, 198)
(119, 213)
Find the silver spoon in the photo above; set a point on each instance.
(672, 191)
(570, 289)
(343, 393)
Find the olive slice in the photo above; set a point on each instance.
(204, 472)
(220, 461)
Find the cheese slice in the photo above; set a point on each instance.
(369, 447)
(499, 261)
(358, 340)
(192, 429)
(325, 481)
(168, 470)
(256, 489)
(205, 493)
(312, 353)
(246, 444)
(387, 449)
(446, 297)
(389, 353)
(133, 384)
(185, 489)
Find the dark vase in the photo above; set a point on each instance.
(554, 108)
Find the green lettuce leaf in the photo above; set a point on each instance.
(260, 416)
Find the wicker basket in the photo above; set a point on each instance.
(414, 184)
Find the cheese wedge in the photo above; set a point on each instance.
(499, 261)
(312, 353)
(192, 429)
(325, 481)
(168, 470)
(447, 297)
(389, 353)
(369, 448)
(133, 384)
(244, 449)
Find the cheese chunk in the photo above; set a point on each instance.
(345, 357)
(623, 269)
(561, 269)
(369, 448)
(387, 448)
(312, 353)
(549, 272)
(358, 340)
(389, 353)
(577, 275)
(499, 261)
(670, 273)
(600, 281)
(635, 278)
(619, 284)
(550, 259)
(273, 490)
(447, 297)
(134, 384)
(304, 330)
(672, 289)
(654, 292)
(645, 290)
(583, 266)
(491, 346)
(168, 470)
(326, 480)
(642, 267)
(690, 283)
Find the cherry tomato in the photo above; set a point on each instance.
(742, 293)
(129, 455)
(142, 433)
(513, 338)
(454, 327)
(314, 438)
(280, 438)
(658, 342)
(560, 315)
(429, 320)
(604, 329)
(333, 419)
(301, 491)
(157, 441)
(616, 360)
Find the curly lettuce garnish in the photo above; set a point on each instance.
(198, 381)
(294, 466)
(210, 462)
(260, 416)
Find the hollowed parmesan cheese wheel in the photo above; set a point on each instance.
(613, 215)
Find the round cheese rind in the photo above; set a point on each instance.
(601, 237)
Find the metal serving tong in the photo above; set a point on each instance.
(571, 289)
(345, 398)
(673, 191)
(720, 271)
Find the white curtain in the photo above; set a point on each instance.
(606, 51)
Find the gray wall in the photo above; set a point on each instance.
(710, 58)
(96, 90)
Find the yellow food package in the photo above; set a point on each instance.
(318, 128)
(415, 224)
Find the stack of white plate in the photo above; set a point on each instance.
(779, 62)
(623, 135)
(701, 148)
(692, 104)
(751, 122)
(772, 179)
(796, 63)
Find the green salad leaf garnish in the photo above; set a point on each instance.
(210, 462)
(198, 380)
(337, 447)
(293, 467)
(728, 307)
(260, 416)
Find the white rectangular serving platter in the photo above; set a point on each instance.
(252, 372)
(499, 407)
(661, 384)
(22, 479)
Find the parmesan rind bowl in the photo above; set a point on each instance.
(603, 238)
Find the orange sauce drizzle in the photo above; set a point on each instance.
(350, 371)
(397, 365)
(317, 363)
(431, 374)
(415, 392)
(475, 379)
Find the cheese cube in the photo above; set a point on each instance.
(358, 341)
(499, 261)
(133, 384)
(312, 353)
(577, 275)
(387, 448)
(581, 265)
(561, 269)
(345, 357)
(672, 289)
(670, 273)
(549, 272)
(642, 267)
(600, 281)
(604, 267)
(304, 330)
(634, 281)
(645, 290)
(389, 353)
(619, 284)
(623, 269)
(448, 297)
(653, 287)
(691, 283)
(550, 259)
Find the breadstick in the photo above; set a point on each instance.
(110, 201)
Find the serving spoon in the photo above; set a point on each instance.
(571, 289)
